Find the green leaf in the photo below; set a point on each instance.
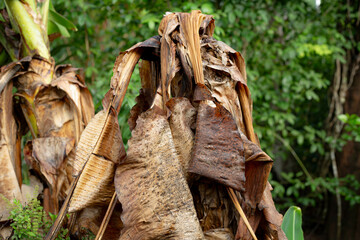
(343, 118)
(292, 224)
(207, 8)
(60, 20)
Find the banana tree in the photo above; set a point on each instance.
(52, 102)
(194, 168)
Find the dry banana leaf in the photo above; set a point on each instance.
(151, 187)
(74, 85)
(101, 146)
(273, 219)
(56, 105)
(149, 182)
(213, 206)
(225, 96)
(95, 185)
(219, 151)
(182, 118)
(9, 182)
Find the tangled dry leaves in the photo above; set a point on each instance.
(54, 103)
(192, 142)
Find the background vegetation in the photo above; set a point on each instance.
(292, 50)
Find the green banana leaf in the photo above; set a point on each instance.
(292, 224)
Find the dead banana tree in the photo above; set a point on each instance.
(194, 163)
(51, 101)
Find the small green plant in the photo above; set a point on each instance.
(31, 221)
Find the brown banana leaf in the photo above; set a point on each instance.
(150, 182)
(150, 80)
(101, 146)
(95, 185)
(9, 182)
(151, 187)
(219, 150)
(214, 208)
(59, 110)
(182, 118)
(272, 218)
(225, 77)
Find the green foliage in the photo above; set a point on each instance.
(31, 222)
(289, 57)
(296, 188)
(292, 224)
(352, 127)
(58, 24)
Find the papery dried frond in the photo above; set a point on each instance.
(151, 187)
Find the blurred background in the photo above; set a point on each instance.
(302, 62)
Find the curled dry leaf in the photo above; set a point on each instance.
(50, 154)
(150, 79)
(272, 228)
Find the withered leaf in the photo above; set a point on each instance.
(9, 184)
(90, 219)
(182, 117)
(272, 228)
(97, 151)
(50, 154)
(213, 206)
(96, 162)
(219, 151)
(151, 187)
